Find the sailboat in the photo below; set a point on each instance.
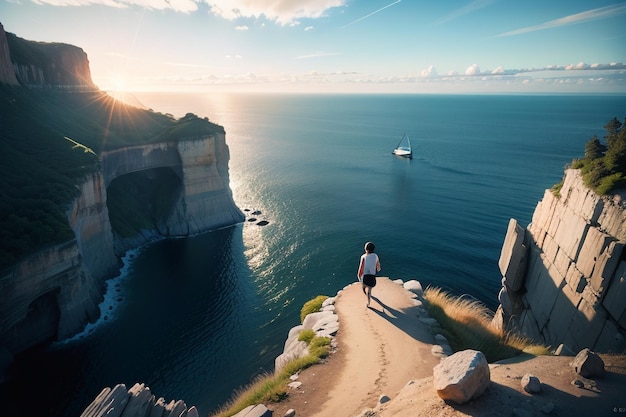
(404, 147)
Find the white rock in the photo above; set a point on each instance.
(294, 384)
(413, 285)
(462, 376)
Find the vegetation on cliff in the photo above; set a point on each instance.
(466, 323)
(273, 387)
(604, 166)
(49, 144)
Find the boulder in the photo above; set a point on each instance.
(588, 364)
(414, 286)
(462, 376)
(110, 402)
(258, 410)
(531, 384)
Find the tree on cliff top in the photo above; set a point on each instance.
(604, 167)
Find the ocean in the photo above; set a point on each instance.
(198, 318)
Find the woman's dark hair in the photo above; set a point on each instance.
(369, 246)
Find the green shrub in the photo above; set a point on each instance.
(273, 388)
(306, 335)
(312, 306)
(604, 166)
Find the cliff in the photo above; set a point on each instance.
(199, 197)
(71, 207)
(44, 65)
(7, 73)
(564, 275)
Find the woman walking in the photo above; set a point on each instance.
(368, 267)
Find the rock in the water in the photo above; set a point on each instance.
(462, 376)
(588, 364)
(531, 384)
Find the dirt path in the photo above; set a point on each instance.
(384, 346)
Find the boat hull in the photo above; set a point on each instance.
(406, 154)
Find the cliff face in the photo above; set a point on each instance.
(202, 200)
(564, 275)
(43, 65)
(7, 73)
(53, 292)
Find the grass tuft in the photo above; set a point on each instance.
(312, 306)
(273, 387)
(466, 323)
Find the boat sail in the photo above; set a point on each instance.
(404, 147)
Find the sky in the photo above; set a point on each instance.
(377, 46)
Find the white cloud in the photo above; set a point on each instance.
(183, 6)
(281, 12)
(472, 70)
(600, 13)
(429, 72)
(306, 29)
(241, 27)
(498, 70)
(467, 9)
(579, 66)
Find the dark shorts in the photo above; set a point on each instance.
(369, 280)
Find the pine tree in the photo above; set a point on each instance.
(594, 149)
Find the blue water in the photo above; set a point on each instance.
(197, 318)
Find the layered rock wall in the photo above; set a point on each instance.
(43, 64)
(52, 294)
(564, 275)
(205, 202)
(7, 73)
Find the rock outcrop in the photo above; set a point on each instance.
(564, 275)
(55, 292)
(137, 401)
(43, 65)
(52, 290)
(7, 72)
(201, 164)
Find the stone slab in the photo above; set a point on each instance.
(512, 262)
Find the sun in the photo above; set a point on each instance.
(118, 83)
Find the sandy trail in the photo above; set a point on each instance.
(385, 346)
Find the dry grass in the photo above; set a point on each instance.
(273, 387)
(467, 325)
